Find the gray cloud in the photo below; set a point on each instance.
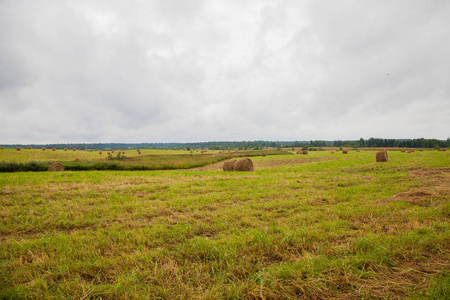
(157, 71)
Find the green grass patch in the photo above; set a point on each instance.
(316, 226)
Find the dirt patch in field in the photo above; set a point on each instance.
(430, 172)
(421, 198)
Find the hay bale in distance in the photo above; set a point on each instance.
(305, 152)
(77, 159)
(29, 147)
(43, 149)
(74, 149)
(100, 152)
(444, 149)
(65, 149)
(18, 148)
(264, 153)
(345, 151)
(381, 156)
(245, 164)
(2, 148)
(53, 149)
(229, 165)
(56, 167)
(332, 152)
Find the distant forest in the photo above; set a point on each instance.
(245, 145)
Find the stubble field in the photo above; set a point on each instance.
(316, 226)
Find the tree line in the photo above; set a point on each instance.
(246, 145)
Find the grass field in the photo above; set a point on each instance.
(316, 226)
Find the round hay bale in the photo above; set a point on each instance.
(74, 149)
(305, 152)
(381, 156)
(345, 151)
(56, 167)
(403, 150)
(332, 152)
(112, 151)
(444, 149)
(245, 164)
(43, 149)
(18, 148)
(264, 154)
(53, 149)
(77, 159)
(2, 148)
(65, 149)
(100, 152)
(229, 165)
(29, 147)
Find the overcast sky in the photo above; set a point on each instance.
(216, 70)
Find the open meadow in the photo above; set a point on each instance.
(315, 226)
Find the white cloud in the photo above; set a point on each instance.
(156, 71)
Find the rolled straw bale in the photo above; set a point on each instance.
(100, 152)
(65, 149)
(345, 151)
(56, 167)
(229, 165)
(18, 148)
(29, 147)
(74, 149)
(332, 152)
(305, 152)
(53, 149)
(77, 159)
(264, 154)
(2, 148)
(444, 149)
(43, 149)
(245, 164)
(381, 156)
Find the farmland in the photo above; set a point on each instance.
(314, 226)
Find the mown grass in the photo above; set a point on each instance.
(315, 227)
(117, 161)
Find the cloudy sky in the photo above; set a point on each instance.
(215, 70)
